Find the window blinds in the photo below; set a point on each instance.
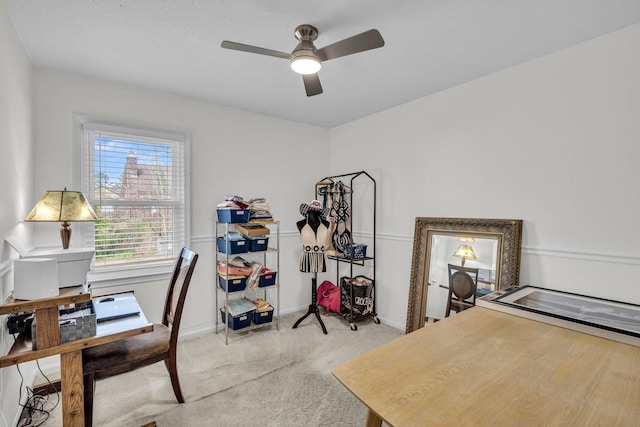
(136, 182)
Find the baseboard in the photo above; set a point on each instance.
(207, 328)
(394, 325)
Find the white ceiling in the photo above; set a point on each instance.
(431, 45)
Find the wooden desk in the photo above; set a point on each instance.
(486, 368)
(48, 344)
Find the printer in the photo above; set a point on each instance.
(71, 266)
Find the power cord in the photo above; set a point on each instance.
(37, 408)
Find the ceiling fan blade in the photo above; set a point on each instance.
(312, 84)
(254, 49)
(359, 43)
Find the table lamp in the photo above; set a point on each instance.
(465, 252)
(62, 206)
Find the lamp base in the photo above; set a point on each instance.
(65, 234)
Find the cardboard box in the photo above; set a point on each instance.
(251, 230)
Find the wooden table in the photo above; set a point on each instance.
(48, 344)
(487, 368)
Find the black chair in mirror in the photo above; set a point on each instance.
(463, 285)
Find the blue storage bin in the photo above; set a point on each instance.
(234, 285)
(260, 317)
(234, 216)
(237, 322)
(233, 246)
(359, 251)
(268, 279)
(258, 244)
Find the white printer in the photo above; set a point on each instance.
(71, 265)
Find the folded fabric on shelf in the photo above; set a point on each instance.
(239, 306)
(252, 280)
(259, 208)
(262, 305)
(233, 236)
(233, 270)
(232, 202)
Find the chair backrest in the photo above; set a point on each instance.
(177, 292)
(463, 284)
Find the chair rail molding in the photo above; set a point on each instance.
(526, 250)
(588, 256)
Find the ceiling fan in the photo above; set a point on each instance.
(306, 59)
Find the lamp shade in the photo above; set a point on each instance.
(465, 252)
(56, 206)
(62, 206)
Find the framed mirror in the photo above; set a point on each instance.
(490, 247)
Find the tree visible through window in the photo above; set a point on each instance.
(136, 183)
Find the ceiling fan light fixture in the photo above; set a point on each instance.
(307, 60)
(305, 63)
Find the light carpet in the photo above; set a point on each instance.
(262, 377)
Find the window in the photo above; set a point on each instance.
(137, 183)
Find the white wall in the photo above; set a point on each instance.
(16, 176)
(554, 142)
(16, 161)
(232, 152)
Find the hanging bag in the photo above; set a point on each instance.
(356, 298)
(329, 297)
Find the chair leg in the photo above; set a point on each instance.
(89, 390)
(171, 364)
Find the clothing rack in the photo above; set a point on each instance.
(353, 178)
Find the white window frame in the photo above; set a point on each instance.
(114, 276)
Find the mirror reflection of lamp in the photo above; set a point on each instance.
(464, 252)
(62, 206)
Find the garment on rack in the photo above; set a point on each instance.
(313, 258)
(339, 214)
(325, 192)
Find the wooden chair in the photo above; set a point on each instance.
(142, 350)
(463, 284)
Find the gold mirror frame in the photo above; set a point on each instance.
(508, 232)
